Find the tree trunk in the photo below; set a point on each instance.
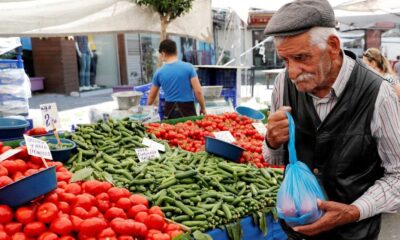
(163, 34)
(164, 24)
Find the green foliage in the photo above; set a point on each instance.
(168, 8)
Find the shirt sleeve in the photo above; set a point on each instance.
(384, 195)
(193, 72)
(275, 156)
(156, 80)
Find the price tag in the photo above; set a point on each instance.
(152, 144)
(37, 147)
(260, 128)
(9, 154)
(50, 117)
(224, 136)
(145, 154)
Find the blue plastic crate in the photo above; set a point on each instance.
(143, 88)
(251, 231)
(204, 77)
(226, 78)
(229, 94)
(9, 63)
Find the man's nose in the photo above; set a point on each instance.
(294, 70)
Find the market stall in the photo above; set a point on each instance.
(201, 192)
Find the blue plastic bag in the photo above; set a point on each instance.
(299, 191)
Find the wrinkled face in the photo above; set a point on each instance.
(308, 66)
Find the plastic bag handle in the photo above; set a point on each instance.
(292, 137)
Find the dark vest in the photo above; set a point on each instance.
(341, 150)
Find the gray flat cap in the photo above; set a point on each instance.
(299, 16)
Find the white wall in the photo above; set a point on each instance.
(391, 47)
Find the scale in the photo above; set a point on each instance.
(215, 103)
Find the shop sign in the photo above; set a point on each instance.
(224, 136)
(9, 154)
(37, 147)
(152, 144)
(50, 117)
(260, 128)
(145, 154)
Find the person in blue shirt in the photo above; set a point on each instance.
(179, 82)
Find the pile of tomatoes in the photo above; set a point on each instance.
(80, 210)
(191, 135)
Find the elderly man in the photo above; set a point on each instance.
(347, 124)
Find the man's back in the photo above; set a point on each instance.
(175, 79)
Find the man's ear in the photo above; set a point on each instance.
(334, 46)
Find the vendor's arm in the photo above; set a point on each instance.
(154, 89)
(274, 156)
(384, 195)
(199, 94)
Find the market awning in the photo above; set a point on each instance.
(44, 18)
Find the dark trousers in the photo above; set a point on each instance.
(93, 67)
(179, 109)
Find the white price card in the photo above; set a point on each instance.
(224, 136)
(9, 154)
(152, 144)
(145, 154)
(50, 117)
(260, 128)
(37, 147)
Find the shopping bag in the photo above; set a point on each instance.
(299, 191)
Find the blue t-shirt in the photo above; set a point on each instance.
(174, 78)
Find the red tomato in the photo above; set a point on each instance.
(34, 229)
(4, 181)
(155, 221)
(61, 226)
(12, 228)
(25, 215)
(123, 203)
(92, 226)
(48, 236)
(156, 210)
(47, 212)
(3, 171)
(6, 214)
(115, 212)
(134, 210)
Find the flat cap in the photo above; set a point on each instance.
(299, 16)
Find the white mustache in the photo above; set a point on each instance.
(304, 77)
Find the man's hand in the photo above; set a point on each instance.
(203, 111)
(278, 127)
(336, 214)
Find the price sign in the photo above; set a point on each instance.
(260, 128)
(145, 154)
(152, 144)
(37, 147)
(9, 154)
(224, 136)
(50, 117)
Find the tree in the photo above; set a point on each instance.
(168, 11)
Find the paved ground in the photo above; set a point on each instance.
(67, 102)
(390, 229)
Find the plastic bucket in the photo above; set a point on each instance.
(250, 112)
(60, 155)
(127, 99)
(223, 149)
(12, 127)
